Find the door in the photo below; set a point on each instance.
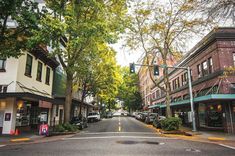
(61, 116)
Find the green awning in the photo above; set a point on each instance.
(199, 99)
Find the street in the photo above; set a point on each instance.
(116, 136)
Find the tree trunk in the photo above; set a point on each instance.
(68, 98)
(167, 85)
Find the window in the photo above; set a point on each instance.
(184, 78)
(204, 68)
(199, 70)
(39, 72)
(28, 67)
(48, 76)
(2, 64)
(210, 64)
(234, 58)
(3, 89)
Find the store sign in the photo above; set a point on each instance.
(45, 104)
(7, 116)
(43, 117)
(44, 129)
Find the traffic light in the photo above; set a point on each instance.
(156, 70)
(132, 68)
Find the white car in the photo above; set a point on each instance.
(93, 116)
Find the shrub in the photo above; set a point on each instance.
(69, 127)
(59, 128)
(170, 124)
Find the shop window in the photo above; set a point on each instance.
(28, 67)
(210, 65)
(2, 65)
(48, 76)
(39, 72)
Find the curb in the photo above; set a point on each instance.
(20, 140)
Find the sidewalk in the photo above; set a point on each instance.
(205, 136)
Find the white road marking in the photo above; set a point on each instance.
(111, 137)
(227, 146)
(2, 145)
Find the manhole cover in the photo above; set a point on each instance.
(192, 150)
(127, 142)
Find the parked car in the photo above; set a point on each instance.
(157, 120)
(143, 116)
(93, 116)
(81, 122)
(109, 114)
(150, 117)
(137, 115)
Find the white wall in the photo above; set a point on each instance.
(31, 82)
(10, 75)
(10, 108)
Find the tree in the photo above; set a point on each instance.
(220, 9)
(24, 16)
(78, 26)
(128, 90)
(161, 29)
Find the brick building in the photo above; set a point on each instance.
(214, 93)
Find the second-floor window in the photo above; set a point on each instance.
(28, 67)
(234, 58)
(2, 64)
(199, 70)
(184, 78)
(210, 65)
(204, 68)
(39, 72)
(48, 76)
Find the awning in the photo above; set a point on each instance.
(199, 99)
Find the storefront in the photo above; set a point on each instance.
(23, 111)
(30, 114)
(211, 115)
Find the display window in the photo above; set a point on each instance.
(210, 115)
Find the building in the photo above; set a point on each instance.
(214, 93)
(26, 90)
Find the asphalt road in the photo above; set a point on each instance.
(119, 136)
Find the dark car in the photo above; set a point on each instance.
(81, 122)
(150, 117)
(157, 121)
(143, 116)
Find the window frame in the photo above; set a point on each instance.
(210, 65)
(206, 70)
(199, 70)
(233, 58)
(39, 72)
(48, 73)
(3, 65)
(28, 65)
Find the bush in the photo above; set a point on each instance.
(170, 124)
(69, 127)
(59, 128)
